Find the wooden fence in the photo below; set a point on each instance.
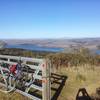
(38, 65)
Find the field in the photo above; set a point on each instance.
(78, 77)
(81, 77)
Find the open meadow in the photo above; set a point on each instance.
(81, 77)
(77, 77)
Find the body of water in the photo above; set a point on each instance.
(35, 48)
(40, 48)
(98, 52)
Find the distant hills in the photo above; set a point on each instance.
(2, 44)
(91, 43)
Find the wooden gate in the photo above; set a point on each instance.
(41, 72)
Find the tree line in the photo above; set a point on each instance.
(58, 59)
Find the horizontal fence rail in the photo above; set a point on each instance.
(40, 70)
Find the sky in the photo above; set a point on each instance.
(49, 19)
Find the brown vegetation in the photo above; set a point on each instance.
(58, 59)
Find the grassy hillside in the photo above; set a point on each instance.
(82, 76)
(82, 70)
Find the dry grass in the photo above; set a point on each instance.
(12, 96)
(82, 77)
(87, 77)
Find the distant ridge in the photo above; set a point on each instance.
(90, 43)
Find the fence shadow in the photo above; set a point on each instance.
(83, 95)
(59, 81)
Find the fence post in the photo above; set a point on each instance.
(46, 84)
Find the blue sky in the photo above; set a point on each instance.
(49, 18)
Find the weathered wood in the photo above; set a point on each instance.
(44, 66)
(46, 80)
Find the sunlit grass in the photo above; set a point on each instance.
(82, 76)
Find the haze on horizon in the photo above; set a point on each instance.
(23, 19)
